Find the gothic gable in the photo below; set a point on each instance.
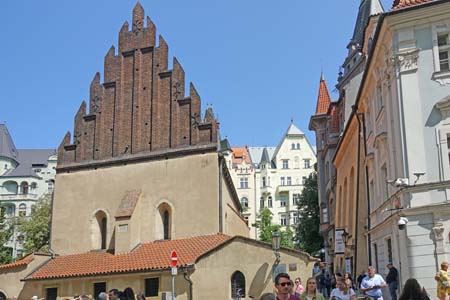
(140, 107)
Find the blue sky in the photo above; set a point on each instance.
(257, 62)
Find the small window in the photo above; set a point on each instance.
(22, 210)
(269, 202)
(389, 249)
(298, 146)
(444, 48)
(289, 181)
(263, 181)
(244, 202)
(261, 202)
(307, 163)
(283, 220)
(151, 287)
(285, 164)
(293, 146)
(51, 186)
(295, 199)
(295, 218)
(244, 183)
(6, 167)
(282, 181)
(283, 200)
(237, 285)
(51, 293)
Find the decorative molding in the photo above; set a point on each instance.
(406, 61)
(438, 230)
(441, 77)
(444, 107)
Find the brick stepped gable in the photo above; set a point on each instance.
(140, 108)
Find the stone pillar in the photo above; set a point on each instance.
(438, 231)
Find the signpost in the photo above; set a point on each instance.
(173, 262)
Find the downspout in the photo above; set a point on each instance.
(53, 254)
(221, 159)
(369, 240)
(188, 279)
(355, 111)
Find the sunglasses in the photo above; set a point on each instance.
(283, 284)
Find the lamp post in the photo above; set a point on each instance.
(345, 237)
(276, 239)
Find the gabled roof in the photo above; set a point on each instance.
(367, 8)
(148, 256)
(407, 3)
(323, 98)
(294, 130)
(7, 147)
(256, 153)
(240, 154)
(265, 156)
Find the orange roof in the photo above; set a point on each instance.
(407, 3)
(149, 256)
(334, 118)
(21, 262)
(324, 99)
(239, 154)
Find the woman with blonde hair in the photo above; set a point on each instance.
(443, 281)
(311, 291)
(342, 291)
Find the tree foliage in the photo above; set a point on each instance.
(36, 228)
(307, 233)
(266, 229)
(5, 234)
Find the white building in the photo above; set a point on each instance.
(273, 177)
(25, 175)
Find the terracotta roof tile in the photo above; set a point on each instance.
(149, 256)
(323, 99)
(21, 262)
(128, 203)
(240, 154)
(407, 3)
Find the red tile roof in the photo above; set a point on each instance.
(149, 256)
(407, 3)
(323, 99)
(128, 204)
(239, 154)
(21, 262)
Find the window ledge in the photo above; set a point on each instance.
(442, 77)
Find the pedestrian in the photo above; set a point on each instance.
(392, 281)
(311, 292)
(103, 296)
(129, 293)
(371, 284)
(413, 291)
(348, 279)
(299, 289)
(360, 278)
(342, 291)
(284, 285)
(320, 281)
(328, 284)
(443, 284)
(113, 294)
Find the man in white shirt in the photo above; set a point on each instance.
(371, 284)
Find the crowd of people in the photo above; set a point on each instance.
(368, 286)
(113, 294)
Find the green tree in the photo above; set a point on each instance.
(307, 233)
(36, 228)
(5, 234)
(266, 228)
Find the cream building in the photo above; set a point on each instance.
(25, 176)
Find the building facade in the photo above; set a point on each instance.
(273, 177)
(144, 173)
(25, 176)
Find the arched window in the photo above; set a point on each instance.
(33, 187)
(164, 222)
(293, 146)
(237, 285)
(11, 187)
(24, 187)
(99, 230)
(244, 202)
(298, 146)
(22, 210)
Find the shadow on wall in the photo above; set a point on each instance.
(260, 281)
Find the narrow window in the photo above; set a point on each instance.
(151, 287)
(285, 164)
(263, 181)
(244, 202)
(444, 48)
(283, 200)
(261, 202)
(103, 225)
(282, 182)
(307, 163)
(51, 293)
(269, 202)
(237, 285)
(166, 225)
(22, 210)
(289, 181)
(389, 249)
(283, 221)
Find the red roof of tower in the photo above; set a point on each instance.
(407, 3)
(324, 99)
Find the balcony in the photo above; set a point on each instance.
(18, 197)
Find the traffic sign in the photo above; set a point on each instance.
(173, 258)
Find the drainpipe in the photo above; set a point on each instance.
(221, 159)
(188, 279)
(369, 240)
(53, 254)
(355, 111)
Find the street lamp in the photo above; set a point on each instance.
(276, 239)
(345, 237)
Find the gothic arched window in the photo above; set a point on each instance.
(99, 230)
(237, 285)
(164, 222)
